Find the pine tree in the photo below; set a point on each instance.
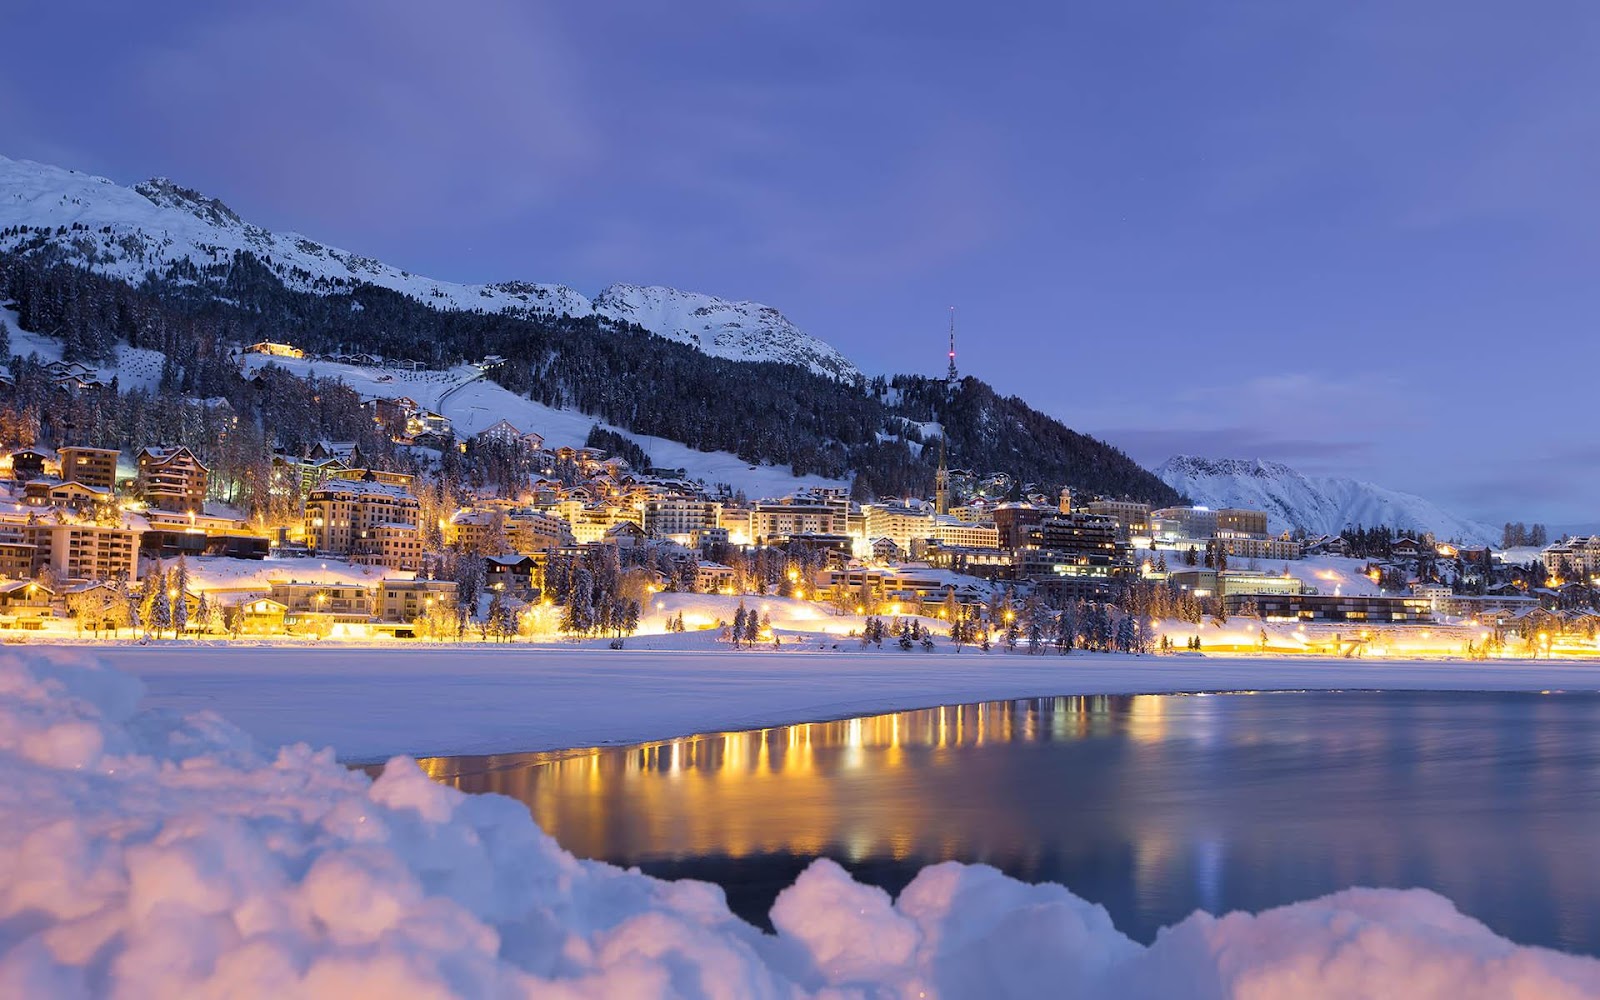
(578, 617)
(180, 591)
(1037, 618)
(161, 612)
(495, 623)
(148, 588)
(1127, 634)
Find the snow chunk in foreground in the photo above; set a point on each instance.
(142, 854)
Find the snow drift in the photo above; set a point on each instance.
(144, 854)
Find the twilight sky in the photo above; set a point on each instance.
(1361, 238)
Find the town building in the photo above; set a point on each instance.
(518, 575)
(1333, 608)
(1574, 559)
(504, 432)
(713, 578)
(1239, 521)
(1228, 583)
(1014, 521)
(1092, 535)
(533, 532)
(984, 563)
(275, 349)
(52, 493)
(24, 604)
(349, 599)
(253, 615)
(407, 600)
(30, 463)
(16, 560)
(1133, 519)
(737, 521)
(1489, 608)
(173, 478)
(96, 467)
(392, 545)
(664, 517)
(1183, 522)
(953, 532)
(342, 517)
(426, 423)
(1239, 546)
(773, 519)
(76, 550)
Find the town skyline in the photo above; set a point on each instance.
(1330, 336)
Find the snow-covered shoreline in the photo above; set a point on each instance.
(370, 704)
(147, 854)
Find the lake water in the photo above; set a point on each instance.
(1151, 805)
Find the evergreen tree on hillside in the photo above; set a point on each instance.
(180, 587)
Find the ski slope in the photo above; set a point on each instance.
(474, 403)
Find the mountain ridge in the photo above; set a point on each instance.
(1317, 504)
(129, 231)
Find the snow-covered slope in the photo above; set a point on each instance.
(747, 331)
(1322, 505)
(126, 232)
(473, 403)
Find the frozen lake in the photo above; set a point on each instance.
(1153, 805)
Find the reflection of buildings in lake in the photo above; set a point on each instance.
(866, 786)
(1297, 797)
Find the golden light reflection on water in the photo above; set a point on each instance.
(1170, 801)
(799, 789)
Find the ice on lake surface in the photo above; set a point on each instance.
(1153, 805)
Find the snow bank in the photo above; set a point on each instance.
(438, 699)
(147, 854)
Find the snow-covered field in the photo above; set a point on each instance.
(147, 855)
(371, 703)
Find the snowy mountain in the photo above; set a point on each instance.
(1321, 505)
(127, 232)
(738, 330)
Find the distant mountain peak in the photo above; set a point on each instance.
(126, 232)
(1318, 504)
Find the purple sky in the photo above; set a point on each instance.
(1358, 237)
